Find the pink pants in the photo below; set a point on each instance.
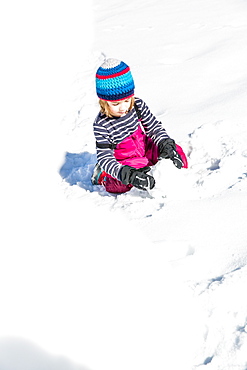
(148, 156)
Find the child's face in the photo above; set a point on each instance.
(119, 108)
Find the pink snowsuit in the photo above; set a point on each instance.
(137, 151)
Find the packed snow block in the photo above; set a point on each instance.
(78, 168)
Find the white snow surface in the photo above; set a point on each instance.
(143, 280)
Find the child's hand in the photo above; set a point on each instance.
(167, 149)
(177, 160)
(137, 177)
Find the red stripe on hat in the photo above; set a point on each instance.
(114, 75)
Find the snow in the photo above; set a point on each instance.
(93, 281)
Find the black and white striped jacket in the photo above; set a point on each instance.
(109, 131)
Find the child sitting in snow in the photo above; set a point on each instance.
(129, 138)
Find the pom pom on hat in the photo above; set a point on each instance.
(114, 81)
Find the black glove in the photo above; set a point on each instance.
(167, 149)
(137, 177)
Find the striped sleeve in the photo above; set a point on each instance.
(151, 125)
(105, 156)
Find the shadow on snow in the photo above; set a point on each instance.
(78, 168)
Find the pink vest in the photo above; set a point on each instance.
(137, 150)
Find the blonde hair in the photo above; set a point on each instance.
(105, 109)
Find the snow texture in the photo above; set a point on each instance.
(143, 280)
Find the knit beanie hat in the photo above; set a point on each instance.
(114, 81)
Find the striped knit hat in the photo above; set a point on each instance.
(114, 81)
